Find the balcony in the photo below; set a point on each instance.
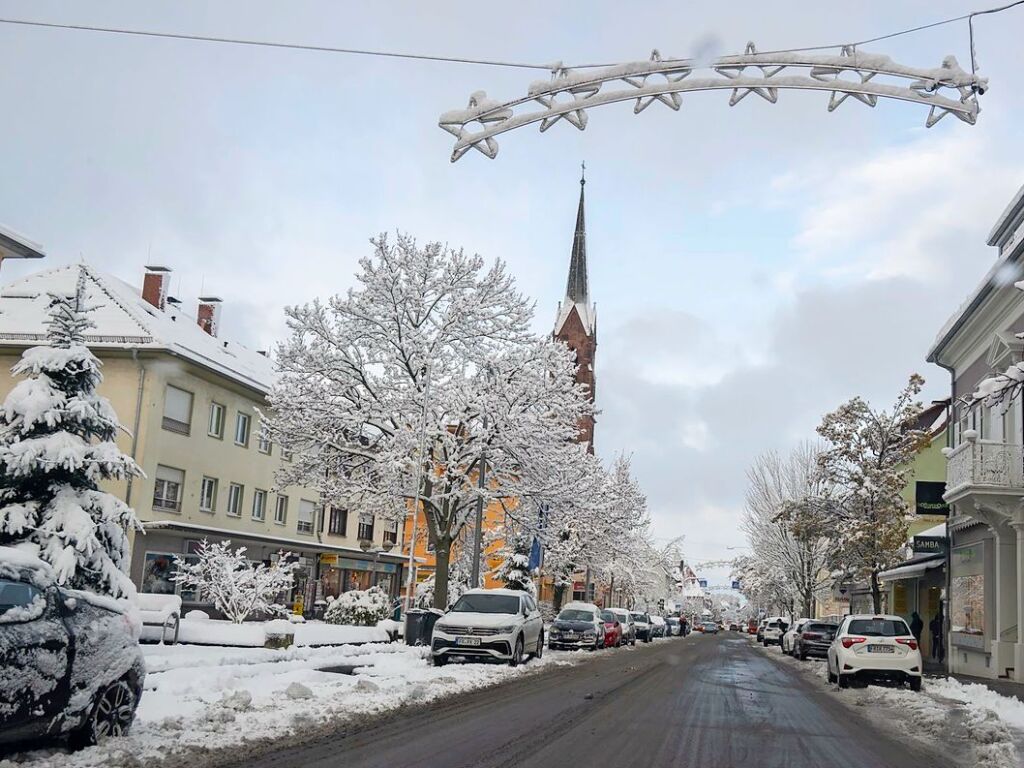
(984, 469)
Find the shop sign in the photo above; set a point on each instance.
(928, 498)
(930, 545)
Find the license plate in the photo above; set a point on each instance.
(881, 649)
(570, 635)
(467, 641)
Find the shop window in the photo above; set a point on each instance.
(177, 410)
(167, 488)
(208, 494)
(243, 422)
(307, 510)
(216, 425)
(259, 505)
(338, 522)
(235, 493)
(281, 510)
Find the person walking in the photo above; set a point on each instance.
(916, 626)
(935, 627)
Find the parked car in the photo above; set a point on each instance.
(774, 630)
(612, 630)
(489, 625)
(814, 639)
(673, 627)
(643, 625)
(874, 648)
(578, 625)
(709, 628)
(734, 627)
(626, 622)
(752, 627)
(760, 630)
(79, 668)
(790, 634)
(658, 627)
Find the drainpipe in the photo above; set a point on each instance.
(946, 613)
(138, 419)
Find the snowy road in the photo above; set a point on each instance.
(703, 701)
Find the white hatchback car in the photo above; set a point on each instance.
(874, 647)
(788, 638)
(489, 625)
(774, 630)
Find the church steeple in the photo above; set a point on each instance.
(576, 325)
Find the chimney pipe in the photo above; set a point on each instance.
(208, 316)
(154, 286)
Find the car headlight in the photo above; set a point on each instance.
(590, 633)
(505, 630)
(554, 631)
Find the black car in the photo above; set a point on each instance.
(814, 639)
(578, 625)
(70, 664)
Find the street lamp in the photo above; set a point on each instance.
(481, 476)
(368, 546)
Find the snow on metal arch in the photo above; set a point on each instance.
(569, 94)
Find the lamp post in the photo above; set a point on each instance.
(481, 478)
(368, 546)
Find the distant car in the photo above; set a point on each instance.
(875, 648)
(709, 628)
(674, 628)
(79, 668)
(786, 644)
(626, 622)
(774, 630)
(612, 630)
(659, 628)
(643, 625)
(752, 627)
(578, 625)
(734, 627)
(814, 639)
(489, 625)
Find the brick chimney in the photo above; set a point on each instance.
(154, 286)
(208, 316)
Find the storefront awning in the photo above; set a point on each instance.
(913, 567)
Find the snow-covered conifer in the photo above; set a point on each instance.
(57, 444)
(514, 571)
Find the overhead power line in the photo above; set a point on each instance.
(969, 17)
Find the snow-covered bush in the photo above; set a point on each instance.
(57, 443)
(515, 569)
(236, 585)
(360, 608)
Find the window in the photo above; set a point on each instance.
(338, 522)
(263, 444)
(208, 494)
(391, 534)
(20, 602)
(259, 505)
(235, 492)
(167, 488)
(281, 510)
(242, 423)
(177, 410)
(365, 532)
(307, 510)
(216, 426)
(286, 455)
(157, 572)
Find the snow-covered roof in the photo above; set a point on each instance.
(1008, 220)
(14, 245)
(124, 320)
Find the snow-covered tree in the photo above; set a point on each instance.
(867, 462)
(514, 571)
(359, 608)
(237, 586)
(429, 343)
(786, 498)
(57, 444)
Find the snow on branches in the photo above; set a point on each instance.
(359, 607)
(429, 340)
(237, 586)
(57, 443)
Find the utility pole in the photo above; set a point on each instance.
(481, 478)
(410, 579)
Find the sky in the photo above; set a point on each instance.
(753, 266)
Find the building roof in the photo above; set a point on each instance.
(124, 320)
(577, 288)
(16, 246)
(1011, 218)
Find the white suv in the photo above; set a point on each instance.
(874, 647)
(491, 625)
(774, 630)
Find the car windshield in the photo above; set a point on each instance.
(575, 614)
(483, 603)
(639, 617)
(609, 617)
(878, 627)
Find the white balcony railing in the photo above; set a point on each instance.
(988, 463)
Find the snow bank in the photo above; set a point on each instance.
(253, 634)
(1009, 710)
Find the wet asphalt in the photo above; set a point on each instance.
(712, 702)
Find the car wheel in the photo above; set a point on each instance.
(517, 653)
(831, 677)
(439, 661)
(915, 683)
(112, 714)
(540, 647)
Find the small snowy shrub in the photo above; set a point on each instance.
(359, 608)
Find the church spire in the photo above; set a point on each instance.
(576, 289)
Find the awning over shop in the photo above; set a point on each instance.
(914, 567)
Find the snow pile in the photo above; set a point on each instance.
(253, 634)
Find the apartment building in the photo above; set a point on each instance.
(191, 401)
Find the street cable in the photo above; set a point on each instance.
(969, 17)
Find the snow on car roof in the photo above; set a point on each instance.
(17, 562)
(580, 605)
(499, 591)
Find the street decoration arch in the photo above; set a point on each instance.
(569, 94)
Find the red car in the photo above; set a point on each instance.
(612, 630)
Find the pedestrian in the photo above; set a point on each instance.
(916, 626)
(935, 627)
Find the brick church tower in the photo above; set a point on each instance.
(577, 317)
